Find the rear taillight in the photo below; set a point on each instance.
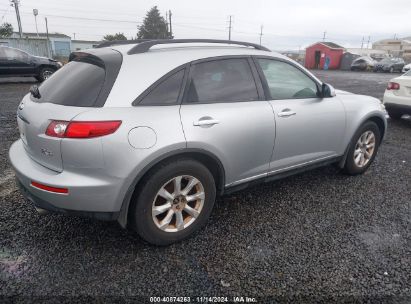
(393, 86)
(81, 129)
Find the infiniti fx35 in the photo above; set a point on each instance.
(149, 133)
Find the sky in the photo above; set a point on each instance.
(287, 24)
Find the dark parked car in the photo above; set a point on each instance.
(14, 62)
(390, 65)
(362, 64)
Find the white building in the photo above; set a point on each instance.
(77, 45)
(395, 47)
(60, 44)
(373, 53)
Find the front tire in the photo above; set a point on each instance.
(173, 202)
(44, 74)
(363, 148)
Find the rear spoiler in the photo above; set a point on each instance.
(86, 57)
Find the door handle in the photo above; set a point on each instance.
(208, 122)
(286, 113)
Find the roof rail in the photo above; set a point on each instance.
(144, 46)
(120, 42)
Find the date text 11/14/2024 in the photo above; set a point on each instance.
(236, 299)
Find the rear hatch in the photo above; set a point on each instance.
(81, 85)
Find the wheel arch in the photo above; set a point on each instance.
(208, 159)
(382, 126)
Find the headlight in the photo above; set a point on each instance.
(59, 64)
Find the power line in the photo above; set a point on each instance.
(89, 19)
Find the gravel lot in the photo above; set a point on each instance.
(319, 236)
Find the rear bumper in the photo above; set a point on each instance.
(89, 191)
(40, 203)
(403, 109)
(397, 103)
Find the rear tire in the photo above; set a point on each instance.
(154, 225)
(363, 148)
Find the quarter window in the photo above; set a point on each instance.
(224, 80)
(166, 92)
(286, 81)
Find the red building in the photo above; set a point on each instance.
(323, 55)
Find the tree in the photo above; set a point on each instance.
(6, 30)
(118, 36)
(154, 26)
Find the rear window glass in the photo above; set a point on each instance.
(77, 84)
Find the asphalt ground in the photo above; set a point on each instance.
(320, 236)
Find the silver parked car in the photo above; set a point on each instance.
(149, 133)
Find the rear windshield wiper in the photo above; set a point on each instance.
(34, 90)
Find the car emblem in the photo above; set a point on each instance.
(21, 106)
(46, 152)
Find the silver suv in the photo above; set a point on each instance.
(149, 133)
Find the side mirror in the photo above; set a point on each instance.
(327, 90)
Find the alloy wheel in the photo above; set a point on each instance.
(364, 149)
(47, 74)
(178, 203)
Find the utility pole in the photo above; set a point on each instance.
(16, 3)
(167, 27)
(362, 42)
(229, 28)
(74, 36)
(368, 42)
(325, 32)
(35, 13)
(261, 33)
(171, 27)
(48, 41)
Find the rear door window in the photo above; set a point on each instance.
(224, 80)
(77, 84)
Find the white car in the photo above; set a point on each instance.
(406, 68)
(397, 96)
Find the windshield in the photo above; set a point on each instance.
(386, 60)
(407, 73)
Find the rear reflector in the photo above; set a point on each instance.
(49, 188)
(82, 129)
(393, 86)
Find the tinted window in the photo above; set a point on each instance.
(222, 81)
(286, 81)
(76, 84)
(166, 92)
(12, 54)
